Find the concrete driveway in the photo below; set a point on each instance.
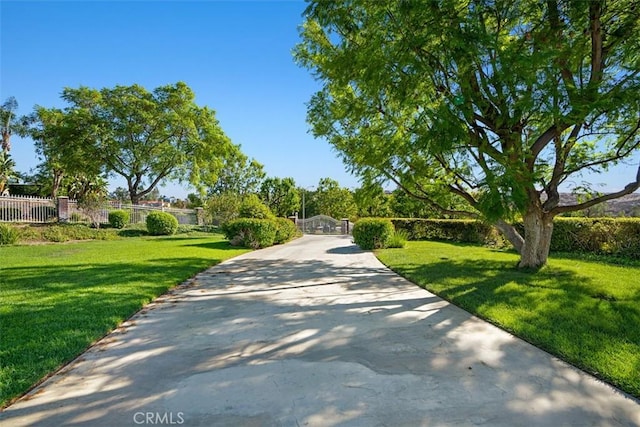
(315, 333)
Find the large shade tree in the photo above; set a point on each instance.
(497, 102)
(148, 137)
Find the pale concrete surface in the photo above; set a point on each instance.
(315, 333)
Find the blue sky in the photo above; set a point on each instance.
(235, 55)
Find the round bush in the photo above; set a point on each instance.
(119, 218)
(250, 232)
(161, 223)
(373, 233)
(285, 230)
(8, 235)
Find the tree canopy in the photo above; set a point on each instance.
(238, 175)
(498, 103)
(9, 124)
(145, 137)
(280, 195)
(332, 200)
(8, 121)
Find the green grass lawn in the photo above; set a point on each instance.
(57, 299)
(585, 312)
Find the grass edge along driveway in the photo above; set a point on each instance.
(584, 312)
(58, 299)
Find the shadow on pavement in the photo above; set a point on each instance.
(333, 338)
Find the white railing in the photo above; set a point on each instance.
(27, 209)
(138, 213)
(39, 210)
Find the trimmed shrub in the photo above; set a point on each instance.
(285, 230)
(119, 218)
(250, 232)
(8, 235)
(161, 223)
(252, 207)
(373, 233)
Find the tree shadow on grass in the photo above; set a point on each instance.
(557, 309)
(133, 233)
(280, 342)
(68, 307)
(219, 245)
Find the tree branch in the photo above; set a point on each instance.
(429, 200)
(628, 189)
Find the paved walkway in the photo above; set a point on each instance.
(315, 333)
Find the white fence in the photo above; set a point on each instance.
(40, 210)
(27, 209)
(138, 213)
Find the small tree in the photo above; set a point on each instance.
(9, 124)
(7, 171)
(94, 205)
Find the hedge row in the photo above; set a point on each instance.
(259, 233)
(454, 230)
(606, 236)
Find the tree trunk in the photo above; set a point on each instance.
(512, 235)
(133, 192)
(538, 228)
(58, 176)
(6, 141)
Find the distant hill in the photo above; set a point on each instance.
(628, 205)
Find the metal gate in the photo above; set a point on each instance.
(322, 224)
